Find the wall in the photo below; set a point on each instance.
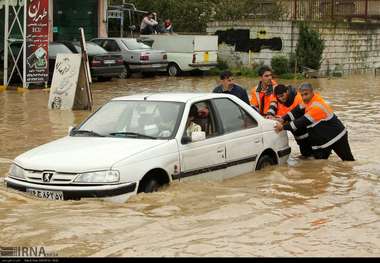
(70, 15)
(352, 47)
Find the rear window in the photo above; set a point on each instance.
(54, 49)
(92, 49)
(132, 44)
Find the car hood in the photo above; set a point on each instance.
(83, 154)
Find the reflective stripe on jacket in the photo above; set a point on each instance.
(323, 125)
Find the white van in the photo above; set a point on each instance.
(186, 52)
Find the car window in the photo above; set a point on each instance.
(131, 118)
(132, 44)
(54, 49)
(92, 49)
(206, 118)
(233, 117)
(111, 46)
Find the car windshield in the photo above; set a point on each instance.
(92, 49)
(134, 119)
(132, 44)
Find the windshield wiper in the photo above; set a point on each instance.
(133, 134)
(91, 133)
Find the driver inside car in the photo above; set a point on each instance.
(191, 126)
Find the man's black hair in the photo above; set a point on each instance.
(264, 69)
(225, 75)
(281, 89)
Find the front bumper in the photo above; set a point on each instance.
(74, 192)
(283, 155)
(109, 71)
(203, 65)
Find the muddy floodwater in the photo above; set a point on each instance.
(304, 208)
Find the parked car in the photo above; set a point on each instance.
(103, 65)
(138, 57)
(139, 143)
(186, 52)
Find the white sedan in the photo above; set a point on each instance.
(139, 143)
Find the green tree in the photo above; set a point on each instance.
(309, 49)
(193, 16)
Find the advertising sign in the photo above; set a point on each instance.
(65, 81)
(37, 41)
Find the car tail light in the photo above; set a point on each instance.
(120, 61)
(194, 58)
(144, 57)
(96, 62)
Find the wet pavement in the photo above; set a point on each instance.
(304, 208)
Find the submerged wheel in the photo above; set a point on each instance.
(173, 70)
(126, 73)
(264, 161)
(151, 186)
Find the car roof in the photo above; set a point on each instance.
(172, 97)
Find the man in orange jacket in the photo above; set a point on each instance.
(326, 131)
(287, 99)
(262, 94)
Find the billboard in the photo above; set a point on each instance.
(37, 41)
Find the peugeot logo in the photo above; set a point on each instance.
(46, 177)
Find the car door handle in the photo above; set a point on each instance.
(257, 141)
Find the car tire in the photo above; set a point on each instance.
(265, 161)
(126, 73)
(173, 70)
(151, 186)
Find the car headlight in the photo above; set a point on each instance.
(16, 171)
(99, 177)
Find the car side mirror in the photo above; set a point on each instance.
(186, 140)
(70, 130)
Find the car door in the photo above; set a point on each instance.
(205, 159)
(242, 135)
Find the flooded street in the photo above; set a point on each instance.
(305, 208)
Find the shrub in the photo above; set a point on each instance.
(280, 65)
(309, 48)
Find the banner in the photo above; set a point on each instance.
(70, 87)
(65, 81)
(37, 41)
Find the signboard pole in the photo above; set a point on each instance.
(24, 84)
(6, 36)
(86, 65)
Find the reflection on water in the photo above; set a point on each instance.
(306, 208)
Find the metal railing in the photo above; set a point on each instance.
(330, 10)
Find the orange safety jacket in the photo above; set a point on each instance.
(322, 124)
(261, 100)
(279, 109)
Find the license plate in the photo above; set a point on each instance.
(109, 62)
(51, 195)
